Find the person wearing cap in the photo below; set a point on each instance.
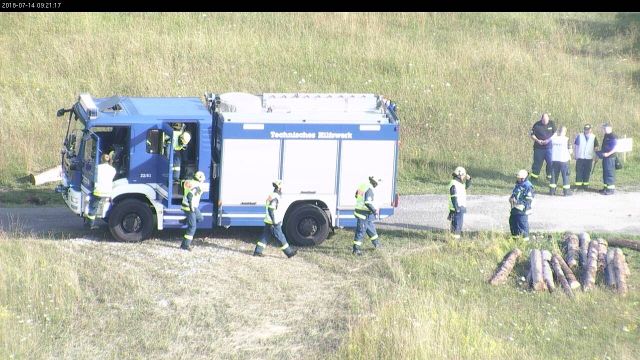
(273, 223)
(541, 134)
(458, 199)
(101, 189)
(584, 149)
(607, 154)
(521, 200)
(192, 191)
(560, 156)
(365, 213)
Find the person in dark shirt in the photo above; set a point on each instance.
(607, 154)
(541, 133)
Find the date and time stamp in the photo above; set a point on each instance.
(30, 5)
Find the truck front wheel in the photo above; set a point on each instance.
(131, 220)
(307, 225)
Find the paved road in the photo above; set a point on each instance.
(581, 212)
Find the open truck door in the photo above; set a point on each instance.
(90, 161)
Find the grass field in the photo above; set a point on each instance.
(469, 86)
(418, 298)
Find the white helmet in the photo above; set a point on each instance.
(460, 172)
(185, 137)
(522, 174)
(277, 183)
(199, 176)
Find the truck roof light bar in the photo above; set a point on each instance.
(88, 105)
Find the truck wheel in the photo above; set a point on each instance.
(131, 220)
(307, 225)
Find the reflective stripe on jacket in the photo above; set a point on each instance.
(192, 187)
(364, 197)
(272, 203)
(461, 194)
(104, 180)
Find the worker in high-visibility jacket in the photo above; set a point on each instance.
(273, 224)
(458, 199)
(192, 191)
(521, 200)
(180, 141)
(101, 189)
(365, 213)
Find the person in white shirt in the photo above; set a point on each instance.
(585, 146)
(560, 156)
(101, 189)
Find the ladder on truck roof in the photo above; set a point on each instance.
(325, 102)
(299, 102)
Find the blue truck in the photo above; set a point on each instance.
(321, 145)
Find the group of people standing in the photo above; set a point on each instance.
(551, 146)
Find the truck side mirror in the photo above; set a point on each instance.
(154, 141)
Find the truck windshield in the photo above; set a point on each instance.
(72, 142)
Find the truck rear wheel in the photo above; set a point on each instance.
(131, 220)
(307, 225)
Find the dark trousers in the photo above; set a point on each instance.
(177, 162)
(365, 226)
(583, 171)
(457, 218)
(519, 223)
(275, 231)
(540, 155)
(560, 168)
(193, 217)
(609, 172)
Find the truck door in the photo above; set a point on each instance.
(90, 161)
(166, 165)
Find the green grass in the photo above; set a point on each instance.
(419, 297)
(469, 86)
(439, 305)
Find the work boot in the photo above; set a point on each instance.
(259, 254)
(566, 192)
(186, 245)
(552, 191)
(291, 253)
(376, 244)
(357, 252)
(608, 192)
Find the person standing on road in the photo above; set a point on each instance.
(585, 146)
(101, 189)
(365, 213)
(520, 201)
(607, 154)
(273, 224)
(541, 133)
(192, 191)
(560, 156)
(458, 199)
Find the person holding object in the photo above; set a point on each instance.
(607, 154)
(458, 199)
(521, 200)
